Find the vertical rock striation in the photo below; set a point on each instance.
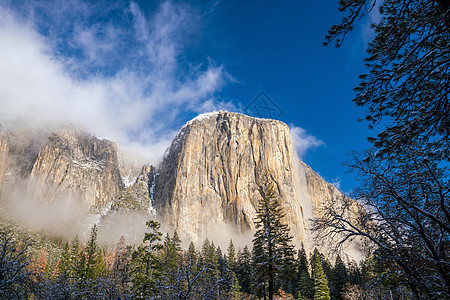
(75, 164)
(211, 175)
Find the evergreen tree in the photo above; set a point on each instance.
(231, 283)
(321, 289)
(146, 268)
(221, 261)
(339, 278)
(404, 181)
(305, 287)
(171, 261)
(192, 258)
(210, 269)
(92, 258)
(16, 277)
(121, 266)
(272, 244)
(244, 269)
(287, 280)
(64, 263)
(75, 257)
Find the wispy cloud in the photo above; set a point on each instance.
(303, 141)
(374, 17)
(111, 68)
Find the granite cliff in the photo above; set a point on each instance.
(68, 163)
(208, 181)
(211, 176)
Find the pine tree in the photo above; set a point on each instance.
(321, 289)
(91, 251)
(75, 257)
(231, 283)
(192, 258)
(339, 278)
(221, 261)
(305, 287)
(210, 268)
(64, 263)
(146, 268)
(272, 244)
(171, 264)
(122, 260)
(244, 269)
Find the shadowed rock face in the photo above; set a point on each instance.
(211, 175)
(78, 165)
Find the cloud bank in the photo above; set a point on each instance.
(111, 68)
(302, 141)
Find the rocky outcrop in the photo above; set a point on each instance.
(19, 147)
(211, 174)
(137, 196)
(75, 164)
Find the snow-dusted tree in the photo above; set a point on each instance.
(321, 289)
(15, 277)
(146, 268)
(209, 265)
(92, 255)
(230, 280)
(272, 243)
(405, 183)
(304, 282)
(171, 261)
(244, 269)
(122, 264)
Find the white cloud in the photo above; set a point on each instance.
(123, 83)
(336, 182)
(303, 141)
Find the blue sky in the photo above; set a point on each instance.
(136, 71)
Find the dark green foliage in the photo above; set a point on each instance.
(230, 280)
(338, 278)
(92, 255)
(244, 269)
(210, 270)
(408, 64)
(171, 261)
(64, 263)
(221, 261)
(273, 252)
(321, 289)
(192, 258)
(305, 286)
(146, 267)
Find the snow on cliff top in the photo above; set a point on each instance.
(215, 113)
(204, 116)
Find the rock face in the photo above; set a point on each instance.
(71, 163)
(77, 165)
(208, 182)
(211, 174)
(137, 196)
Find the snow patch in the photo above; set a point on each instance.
(129, 180)
(203, 117)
